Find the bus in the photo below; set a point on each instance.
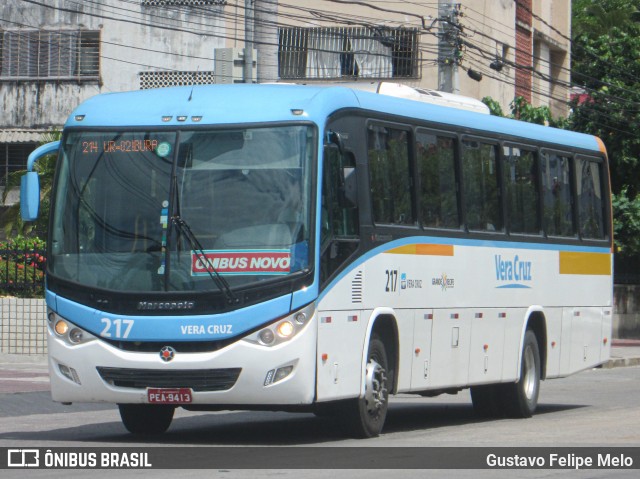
(318, 249)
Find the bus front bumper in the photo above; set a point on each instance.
(242, 373)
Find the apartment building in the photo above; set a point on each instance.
(55, 54)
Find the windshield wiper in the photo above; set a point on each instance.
(184, 229)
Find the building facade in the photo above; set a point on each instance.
(55, 54)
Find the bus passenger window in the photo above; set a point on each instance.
(436, 166)
(520, 172)
(481, 190)
(590, 201)
(390, 176)
(557, 195)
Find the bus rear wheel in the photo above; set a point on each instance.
(365, 416)
(521, 398)
(146, 419)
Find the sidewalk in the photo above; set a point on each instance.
(624, 352)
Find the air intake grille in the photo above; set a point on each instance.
(356, 288)
(196, 379)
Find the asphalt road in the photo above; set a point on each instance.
(597, 408)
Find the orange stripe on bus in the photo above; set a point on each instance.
(585, 263)
(424, 249)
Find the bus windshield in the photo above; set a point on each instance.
(244, 194)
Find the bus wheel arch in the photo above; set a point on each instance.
(365, 415)
(385, 328)
(537, 322)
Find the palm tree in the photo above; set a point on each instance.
(11, 221)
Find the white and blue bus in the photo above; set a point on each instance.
(309, 248)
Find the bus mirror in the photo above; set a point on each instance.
(29, 196)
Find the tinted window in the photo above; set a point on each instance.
(480, 186)
(590, 203)
(557, 199)
(520, 170)
(436, 168)
(390, 175)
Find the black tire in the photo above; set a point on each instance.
(364, 417)
(487, 400)
(146, 419)
(521, 399)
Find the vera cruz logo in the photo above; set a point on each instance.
(513, 272)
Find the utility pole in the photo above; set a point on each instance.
(266, 39)
(248, 41)
(448, 47)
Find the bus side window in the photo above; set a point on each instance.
(557, 195)
(520, 173)
(438, 192)
(481, 186)
(339, 224)
(590, 202)
(390, 175)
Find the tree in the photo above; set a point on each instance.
(605, 49)
(11, 221)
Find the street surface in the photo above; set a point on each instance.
(599, 407)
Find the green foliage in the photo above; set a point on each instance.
(494, 107)
(605, 49)
(626, 223)
(524, 111)
(11, 220)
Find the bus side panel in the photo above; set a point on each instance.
(342, 329)
(553, 318)
(488, 330)
(586, 337)
(421, 361)
(450, 347)
(340, 349)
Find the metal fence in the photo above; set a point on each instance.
(22, 272)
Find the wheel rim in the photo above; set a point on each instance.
(376, 387)
(529, 383)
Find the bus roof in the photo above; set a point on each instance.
(245, 103)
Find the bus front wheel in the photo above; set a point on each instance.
(146, 418)
(365, 416)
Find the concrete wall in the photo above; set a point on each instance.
(23, 321)
(626, 319)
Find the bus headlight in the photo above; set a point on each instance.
(67, 331)
(283, 329)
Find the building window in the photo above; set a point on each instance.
(49, 55)
(348, 52)
(13, 157)
(174, 78)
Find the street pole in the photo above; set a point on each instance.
(448, 80)
(266, 39)
(248, 41)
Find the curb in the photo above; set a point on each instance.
(621, 363)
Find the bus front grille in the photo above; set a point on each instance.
(198, 380)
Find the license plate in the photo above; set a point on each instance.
(169, 396)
